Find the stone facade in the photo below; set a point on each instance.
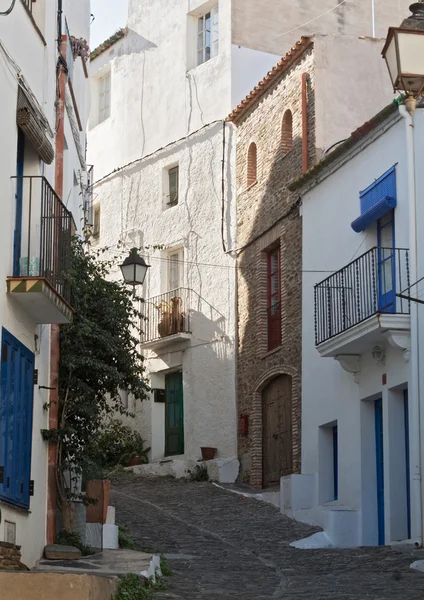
(10, 557)
(268, 215)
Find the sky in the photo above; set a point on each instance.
(109, 15)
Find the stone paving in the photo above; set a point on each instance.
(225, 546)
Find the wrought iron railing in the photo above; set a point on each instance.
(166, 314)
(274, 326)
(43, 232)
(28, 4)
(365, 287)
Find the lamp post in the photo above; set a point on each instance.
(134, 269)
(404, 56)
(404, 53)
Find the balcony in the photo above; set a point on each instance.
(42, 252)
(358, 306)
(167, 319)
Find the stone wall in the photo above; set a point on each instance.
(268, 215)
(10, 557)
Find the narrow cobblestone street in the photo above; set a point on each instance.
(222, 545)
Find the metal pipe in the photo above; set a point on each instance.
(414, 383)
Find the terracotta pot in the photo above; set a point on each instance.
(136, 460)
(208, 453)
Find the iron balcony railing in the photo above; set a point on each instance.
(43, 232)
(365, 287)
(166, 314)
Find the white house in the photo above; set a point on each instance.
(43, 176)
(361, 423)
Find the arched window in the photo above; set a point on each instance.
(252, 164)
(287, 132)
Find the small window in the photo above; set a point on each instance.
(207, 36)
(104, 98)
(96, 225)
(252, 165)
(274, 297)
(173, 181)
(287, 132)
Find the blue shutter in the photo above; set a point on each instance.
(16, 411)
(376, 200)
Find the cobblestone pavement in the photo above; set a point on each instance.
(224, 546)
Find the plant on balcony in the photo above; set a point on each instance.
(99, 357)
(171, 318)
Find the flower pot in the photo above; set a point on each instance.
(208, 453)
(134, 461)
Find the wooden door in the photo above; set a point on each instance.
(174, 414)
(277, 430)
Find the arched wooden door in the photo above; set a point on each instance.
(277, 441)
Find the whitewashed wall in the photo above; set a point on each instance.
(38, 65)
(328, 392)
(132, 210)
(158, 95)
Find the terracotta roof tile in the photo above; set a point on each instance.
(270, 78)
(118, 35)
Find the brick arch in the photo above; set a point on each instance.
(257, 425)
(287, 132)
(252, 164)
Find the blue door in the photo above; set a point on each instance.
(378, 406)
(407, 462)
(16, 407)
(386, 263)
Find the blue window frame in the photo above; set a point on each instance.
(19, 195)
(386, 263)
(16, 409)
(335, 463)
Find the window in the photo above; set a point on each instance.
(16, 406)
(287, 132)
(252, 164)
(96, 226)
(104, 98)
(175, 270)
(207, 36)
(274, 294)
(173, 181)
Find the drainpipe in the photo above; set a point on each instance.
(52, 498)
(407, 112)
(305, 161)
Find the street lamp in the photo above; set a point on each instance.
(404, 52)
(134, 268)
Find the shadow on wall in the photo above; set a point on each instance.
(275, 222)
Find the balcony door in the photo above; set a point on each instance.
(18, 206)
(386, 263)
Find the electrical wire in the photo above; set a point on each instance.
(312, 20)
(9, 10)
(124, 252)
